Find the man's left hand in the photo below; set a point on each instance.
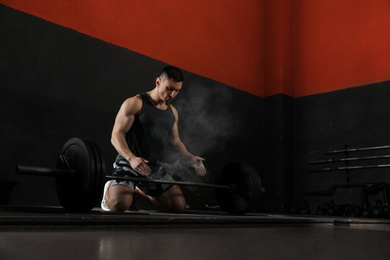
(196, 163)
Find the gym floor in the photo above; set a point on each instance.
(51, 233)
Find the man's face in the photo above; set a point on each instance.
(168, 89)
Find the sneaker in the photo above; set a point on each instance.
(103, 205)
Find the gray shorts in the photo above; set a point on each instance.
(123, 168)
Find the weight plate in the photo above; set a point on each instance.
(247, 193)
(100, 173)
(91, 200)
(257, 195)
(74, 193)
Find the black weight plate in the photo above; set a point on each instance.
(257, 182)
(248, 188)
(100, 185)
(90, 184)
(247, 192)
(256, 187)
(74, 193)
(257, 196)
(100, 173)
(95, 185)
(91, 200)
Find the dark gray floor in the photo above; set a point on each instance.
(275, 242)
(50, 233)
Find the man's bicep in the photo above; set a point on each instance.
(125, 117)
(123, 123)
(173, 137)
(174, 133)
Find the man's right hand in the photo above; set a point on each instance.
(140, 165)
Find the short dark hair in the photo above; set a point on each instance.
(172, 73)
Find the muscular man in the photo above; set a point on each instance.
(145, 126)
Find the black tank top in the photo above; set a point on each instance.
(148, 136)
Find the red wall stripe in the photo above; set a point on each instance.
(278, 46)
(215, 39)
(264, 47)
(340, 44)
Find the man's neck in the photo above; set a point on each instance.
(155, 99)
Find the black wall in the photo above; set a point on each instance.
(57, 83)
(356, 117)
(277, 149)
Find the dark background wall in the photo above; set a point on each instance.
(355, 117)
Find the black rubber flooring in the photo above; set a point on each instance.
(51, 233)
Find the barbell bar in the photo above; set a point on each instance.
(349, 159)
(180, 183)
(42, 171)
(347, 150)
(80, 177)
(79, 174)
(343, 168)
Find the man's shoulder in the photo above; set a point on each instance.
(134, 99)
(173, 108)
(133, 103)
(174, 111)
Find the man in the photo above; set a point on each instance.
(145, 126)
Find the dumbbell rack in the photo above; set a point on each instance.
(366, 188)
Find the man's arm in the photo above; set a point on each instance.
(123, 122)
(177, 144)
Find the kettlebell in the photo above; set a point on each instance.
(294, 208)
(326, 209)
(320, 210)
(366, 213)
(346, 210)
(386, 211)
(305, 210)
(333, 209)
(354, 211)
(377, 211)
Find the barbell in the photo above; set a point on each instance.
(80, 177)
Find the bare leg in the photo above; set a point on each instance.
(119, 198)
(173, 199)
(153, 200)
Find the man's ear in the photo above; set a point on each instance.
(158, 81)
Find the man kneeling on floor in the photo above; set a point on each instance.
(145, 126)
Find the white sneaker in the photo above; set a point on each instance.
(103, 205)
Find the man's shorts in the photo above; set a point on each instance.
(122, 168)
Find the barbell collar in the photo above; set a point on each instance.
(42, 171)
(180, 183)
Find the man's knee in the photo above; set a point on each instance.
(118, 205)
(119, 199)
(178, 207)
(173, 200)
